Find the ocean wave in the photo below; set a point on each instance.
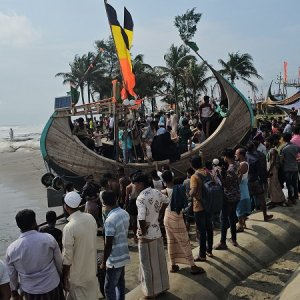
(22, 145)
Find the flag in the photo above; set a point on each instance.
(285, 64)
(123, 43)
(74, 94)
(128, 26)
(193, 46)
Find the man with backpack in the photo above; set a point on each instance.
(257, 177)
(203, 215)
(230, 181)
(179, 247)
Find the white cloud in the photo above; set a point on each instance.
(16, 30)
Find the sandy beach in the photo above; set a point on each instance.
(20, 187)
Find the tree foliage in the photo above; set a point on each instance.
(187, 24)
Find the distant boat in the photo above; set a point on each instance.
(274, 100)
(70, 159)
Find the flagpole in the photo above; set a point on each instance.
(122, 75)
(121, 71)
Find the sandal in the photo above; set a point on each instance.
(234, 243)
(240, 229)
(209, 254)
(199, 258)
(268, 217)
(174, 269)
(197, 270)
(221, 246)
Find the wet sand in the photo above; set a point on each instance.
(20, 187)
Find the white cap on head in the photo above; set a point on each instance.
(287, 119)
(215, 161)
(72, 199)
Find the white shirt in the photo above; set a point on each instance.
(98, 138)
(80, 248)
(4, 278)
(149, 203)
(111, 122)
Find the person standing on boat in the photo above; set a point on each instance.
(206, 110)
(34, 262)
(79, 252)
(111, 125)
(153, 265)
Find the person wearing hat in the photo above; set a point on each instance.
(161, 129)
(288, 125)
(79, 252)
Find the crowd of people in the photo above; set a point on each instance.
(151, 137)
(155, 209)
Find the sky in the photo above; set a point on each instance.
(39, 38)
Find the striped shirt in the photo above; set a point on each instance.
(116, 225)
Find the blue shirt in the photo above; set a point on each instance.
(161, 130)
(116, 225)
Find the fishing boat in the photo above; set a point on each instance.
(66, 156)
(272, 100)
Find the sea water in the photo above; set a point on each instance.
(26, 138)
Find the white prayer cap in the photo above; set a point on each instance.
(215, 161)
(72, 199)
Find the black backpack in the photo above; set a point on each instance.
(211, 194)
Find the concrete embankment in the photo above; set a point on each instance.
(292, 288)
(261, 244)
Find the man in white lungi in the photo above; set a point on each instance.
(79, 252)
(153, 266)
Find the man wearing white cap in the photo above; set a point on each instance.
(79, 252)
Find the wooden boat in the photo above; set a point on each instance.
(272, 101)
(70, 159)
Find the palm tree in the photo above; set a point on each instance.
(78, 69)
(196, 79)
(176, 59)
(239, 66)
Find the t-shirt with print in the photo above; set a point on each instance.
(149, 203)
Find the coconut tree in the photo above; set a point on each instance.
(196, 80)
(176, 59)
(239, 67)
(78, 69)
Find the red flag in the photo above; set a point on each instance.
(285, 65)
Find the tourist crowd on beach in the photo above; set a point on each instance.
(153, 209)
